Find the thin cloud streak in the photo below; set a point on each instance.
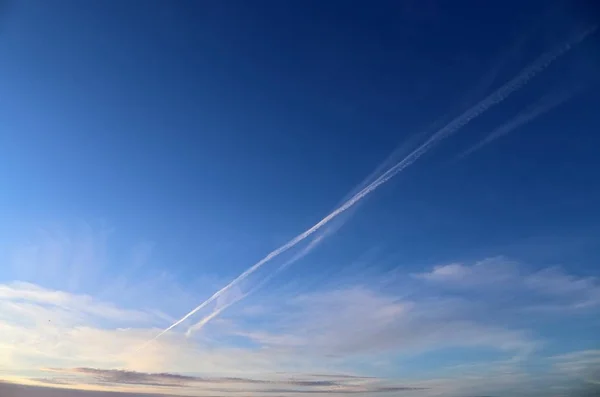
(224, 384)
(493, 99)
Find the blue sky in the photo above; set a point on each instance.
(420, 178)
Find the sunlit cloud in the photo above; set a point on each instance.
(335, 338)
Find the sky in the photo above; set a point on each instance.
(235, 198)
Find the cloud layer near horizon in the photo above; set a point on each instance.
(355, 329)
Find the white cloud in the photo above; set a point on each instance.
(359, 321)
(580, 292)
(31, 295)
(326, 332)
(354, 328)
(65, 332)
(552, 287)
(485, 273)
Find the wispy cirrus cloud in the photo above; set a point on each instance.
(359, 321)
(552, 286)
(579, 364)
(34, 296)
(480, 274)
(353, 329)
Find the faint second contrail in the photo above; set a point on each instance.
(493, 99)
(542, 106)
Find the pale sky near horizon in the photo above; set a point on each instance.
(226, 198)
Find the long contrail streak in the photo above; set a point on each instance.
(203, 321)
(493, 99)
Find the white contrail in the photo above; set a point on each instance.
(542, 106)
(305, 251)
(401, 150)
(496, 97)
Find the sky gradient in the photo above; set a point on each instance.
(227, 198)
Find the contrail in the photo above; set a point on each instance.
(542, 106)
(404, 149)
(268, 278)
(493, 99)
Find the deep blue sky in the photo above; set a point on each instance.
(215, 131)
(243, 118)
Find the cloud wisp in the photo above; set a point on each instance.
(548, 289)
(304, 383)
(15, 295)
(360, 323)
(493, 99)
